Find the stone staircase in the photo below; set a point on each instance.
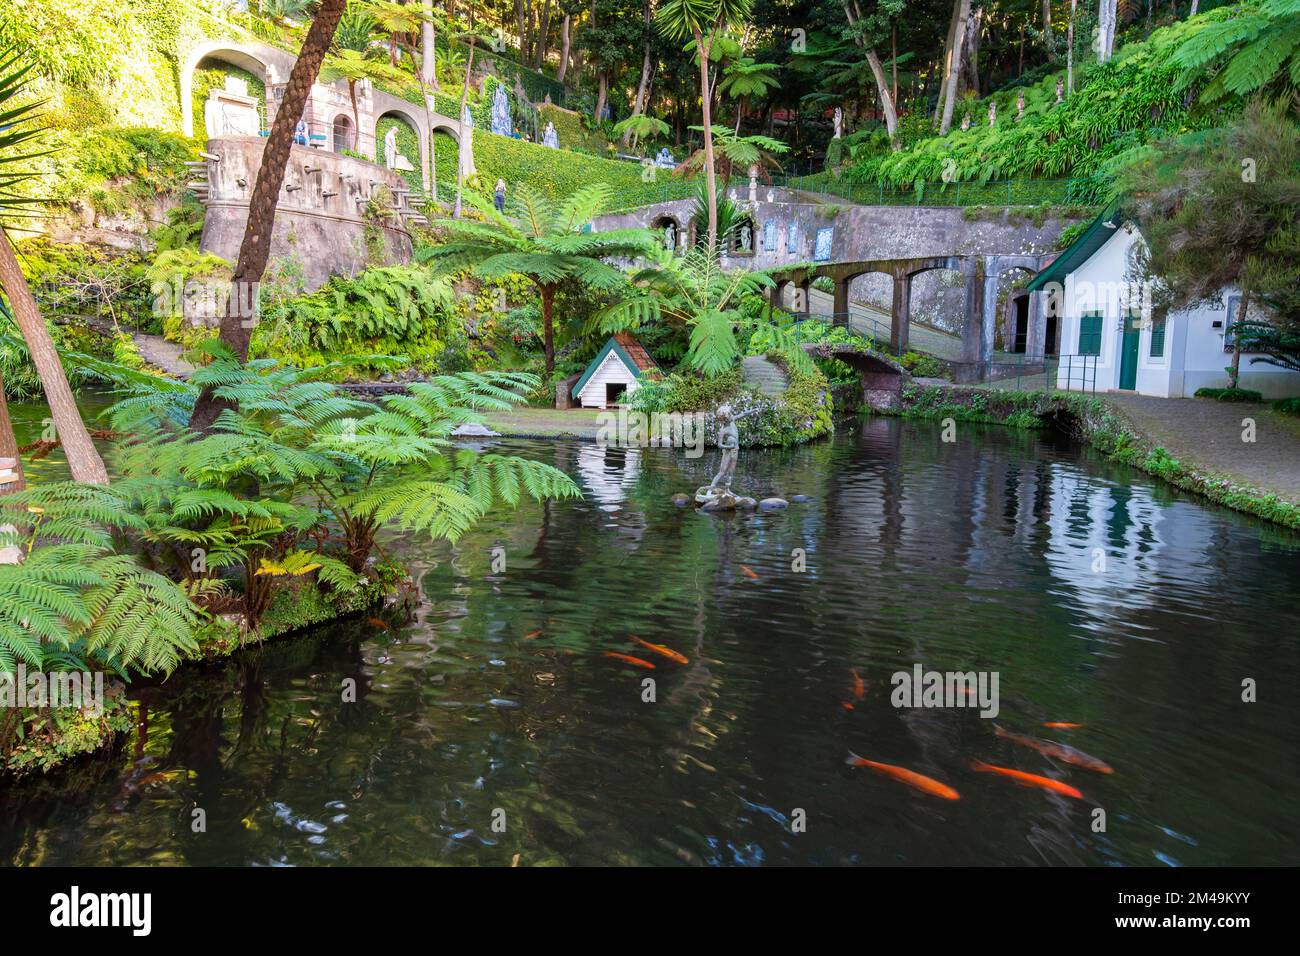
(768, 377)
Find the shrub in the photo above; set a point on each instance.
(1230, 394)
(1288, 406)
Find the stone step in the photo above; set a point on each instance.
(768, 377)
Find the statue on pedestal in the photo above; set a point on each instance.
(550, 137)
(390, 148)
(717, 494)
(665, 159)
(501, 124)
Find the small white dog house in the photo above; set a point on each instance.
(615, 373)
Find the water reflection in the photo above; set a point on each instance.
(494, 702)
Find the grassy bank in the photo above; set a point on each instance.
(1097, 422)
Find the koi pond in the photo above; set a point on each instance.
(490, 727)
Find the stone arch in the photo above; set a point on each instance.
(272, 66)
(410, 120)
(343, 133)
(660, 226)
(1036, 331)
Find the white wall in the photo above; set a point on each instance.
(612, 371)
(1193, 355)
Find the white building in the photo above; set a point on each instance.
(1110, 342)
(615, 373)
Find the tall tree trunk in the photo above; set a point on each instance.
(893, 59)
(710, 170)
(543, 37)
(949, 44)
(1049, 38)
(1234, 370)
(9, 446)
(548, 328)
(647, 14)
(83, 460)
(428, 52)
(1105, 30)
(464, 98)
(564, 48)
(954, 66)
(1069, 49)
(853, 13)
(602, 89)
(971, 58)
(1195, 5)
(255, 249)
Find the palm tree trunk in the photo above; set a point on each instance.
(1069, 49)
(9, 446)
(548, 329)
(255, 249)
(710, 171)
(83, 460)
(1234, 371)
(464, 98)
(428, 53)
(356, 119)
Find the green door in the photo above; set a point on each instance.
(1128, 365)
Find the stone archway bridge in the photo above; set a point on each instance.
(980, 275)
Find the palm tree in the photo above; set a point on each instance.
(16, 130)
(551, 244)
(743, 79)
(695, 292)
(733, 152)
(255, 249)
(704, 20)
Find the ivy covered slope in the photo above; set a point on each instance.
(1116, 107)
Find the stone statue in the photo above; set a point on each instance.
(501, 124)
(670, 236)
(965, 121)
(390, 148)
(993, 113)
(1060, 89)
(665, 159)
(550, 137)
(1020, 106)
(746, 237)
(839, 122)
(717, 494)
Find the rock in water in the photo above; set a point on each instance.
(474, 430)
(773, 504)
(799, 499)
(681, 500)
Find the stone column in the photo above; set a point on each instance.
(977, 333)
(1036, 340)
(841, 307)
(900, 314)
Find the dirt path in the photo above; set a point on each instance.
(1209, 433)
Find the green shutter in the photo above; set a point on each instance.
(1158, 339)
(1090, 333)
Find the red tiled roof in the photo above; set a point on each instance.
(636, 351)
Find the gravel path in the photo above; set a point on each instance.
(1209, 433)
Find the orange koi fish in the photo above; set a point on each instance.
(629, 659)
(749, 572)
(846, 705)
(529, 636)
(1028, 779)
(376, 622)
(910, 777)
(667, 652)
(1062, 752)
(1062, 725)
(859, 685)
